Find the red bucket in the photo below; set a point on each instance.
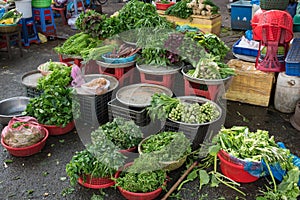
(235, 171)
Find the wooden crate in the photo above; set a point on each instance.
(250, 85)
(207, 24)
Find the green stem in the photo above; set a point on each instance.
(215, 163)
(271, 174)
(232, 187)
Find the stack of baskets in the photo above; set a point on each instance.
(274, 4)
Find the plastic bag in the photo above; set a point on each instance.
(96, 86)
(22, 132)
(276, 169)
(77, 76)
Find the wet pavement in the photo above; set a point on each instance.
(43, 176)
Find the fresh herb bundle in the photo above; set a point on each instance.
(167, 146)
(141, 182)
(84, 163)
(123, 133)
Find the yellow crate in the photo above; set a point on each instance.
(250, 85)
(207, 24)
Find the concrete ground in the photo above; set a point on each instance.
(43, 176)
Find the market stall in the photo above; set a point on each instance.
(137, 130)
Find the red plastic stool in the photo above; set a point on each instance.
(122, 74)
(208, 91)
(70, 61)
(164, 80)
(62, 12)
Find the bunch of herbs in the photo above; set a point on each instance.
(84, 163)
(123, 133)
(54, 106)
(167, 146)
(147, 181)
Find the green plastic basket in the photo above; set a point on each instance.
(274, 4)
(41, 3)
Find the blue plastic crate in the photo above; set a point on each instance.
(292, 60)
(243, 51)
(241, 15)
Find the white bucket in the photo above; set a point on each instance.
(24, 6)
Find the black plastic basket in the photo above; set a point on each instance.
(274, 4)
(30, 81)
(93, 109)
(33, 92)
(196, 134)
(138, 115)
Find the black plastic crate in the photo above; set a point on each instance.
(33, 92)
(196, 134)
(138, 115)
(93, 109)
(30, 81)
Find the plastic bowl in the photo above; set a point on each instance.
(44, 68)
(26, 151)
(137, 195)
(12, 107)
(118, 60)
(235, 172)
(58, 130)
(163, 6)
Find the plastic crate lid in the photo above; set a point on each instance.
(293, 55)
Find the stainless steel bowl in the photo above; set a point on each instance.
(12, 107)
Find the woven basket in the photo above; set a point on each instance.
(41, 3)
(8, 28)
(274, 4)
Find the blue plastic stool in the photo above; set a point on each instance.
(44, 19)
(29, 32)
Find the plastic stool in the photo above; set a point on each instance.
(75, 4)
(208, 91)
(122, 74)
(62, 13)
(29, 31)
(164, 80)
(70, 61)
(44, 19)
(11, 39)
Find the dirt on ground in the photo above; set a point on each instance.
(43, 175)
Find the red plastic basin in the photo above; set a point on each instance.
(235, 172)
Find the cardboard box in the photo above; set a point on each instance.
(250, 85)
(207, 24)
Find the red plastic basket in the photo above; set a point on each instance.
(234, 170)
(163, 6)
(58, 130)
(272, 25)
(136, 195)
(26, 151)
(95, 183)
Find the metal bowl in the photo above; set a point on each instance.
(12, 107)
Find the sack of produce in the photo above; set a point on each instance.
(22, 132)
